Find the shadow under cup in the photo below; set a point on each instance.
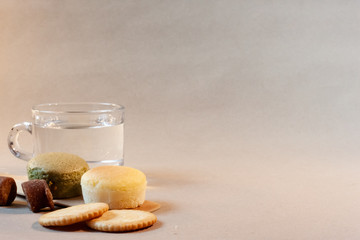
(93, 131)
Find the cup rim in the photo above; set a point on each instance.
(107, 107)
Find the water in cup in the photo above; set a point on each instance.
(93, 131)
(97, 144)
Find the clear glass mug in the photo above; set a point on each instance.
(93, 131)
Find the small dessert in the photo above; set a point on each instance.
(120, 187)
(74, 214)
(38, 194)
(122, 221)
(62, 172)
(7, 190)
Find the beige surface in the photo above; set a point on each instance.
(244, 115)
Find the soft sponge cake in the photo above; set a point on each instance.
(62, 172)
(119, 186)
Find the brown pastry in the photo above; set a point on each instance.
(7, 190)
(38, 194)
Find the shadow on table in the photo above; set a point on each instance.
(17, 207)
(71, 228)
(82, 227)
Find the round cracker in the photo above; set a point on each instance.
(122, 221)
(74, 214)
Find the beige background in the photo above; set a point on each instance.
(243, 114)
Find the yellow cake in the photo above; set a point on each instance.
(120, 187)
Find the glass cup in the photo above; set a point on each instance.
(93, 131)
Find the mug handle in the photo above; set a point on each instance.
(13, 143)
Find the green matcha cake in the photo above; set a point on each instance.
(62, 172)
